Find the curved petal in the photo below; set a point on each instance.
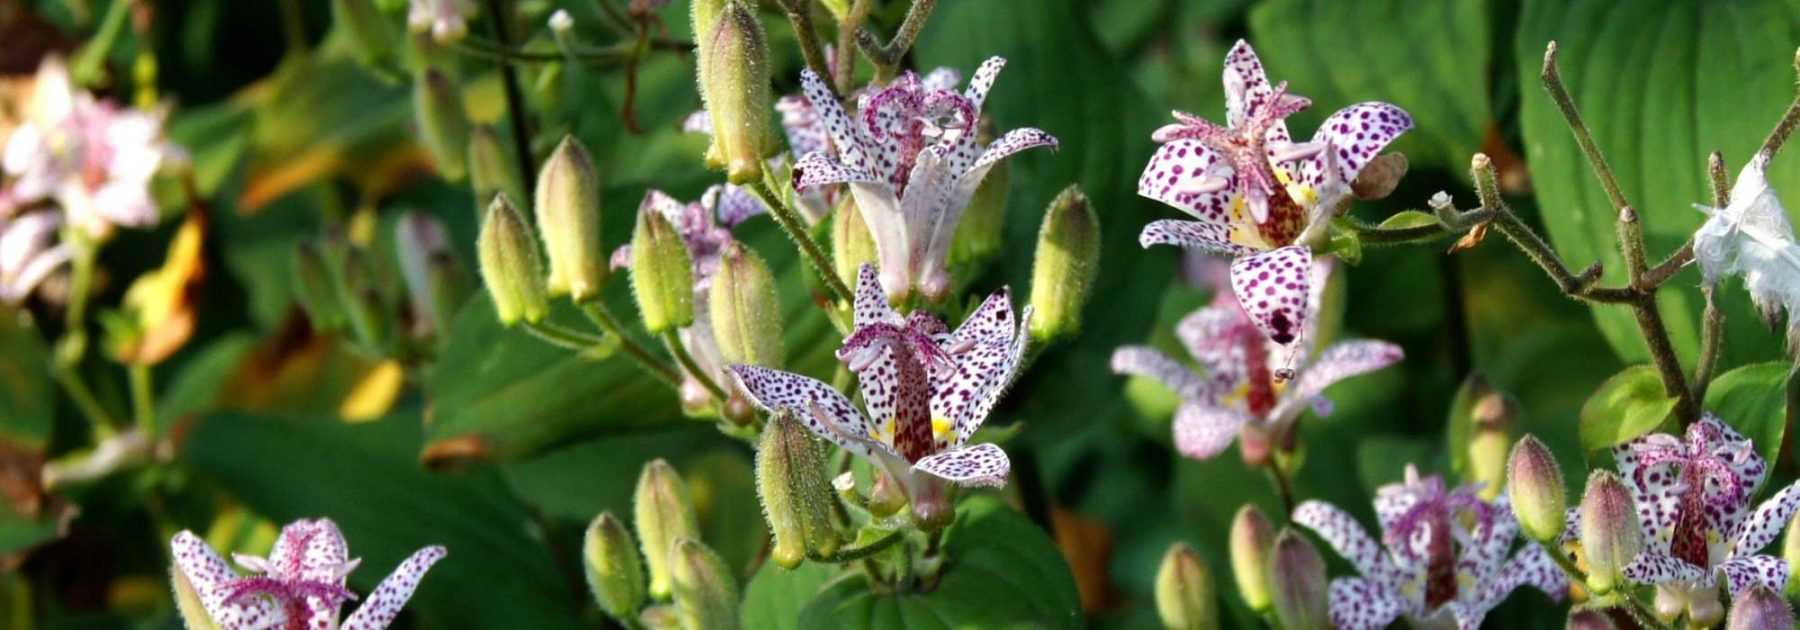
(1770, 518)
(982, 348)
(385, 602)
(1187, 175)
(1656, 493)
(1000, 378)
(977, 91)
(1193, 235)
(1246, 84)
(1745, 572)
(1202, 431)
(1340, 361)
(1150, 362)
(210, 577)
(1531, 565)
(1353, 136)
(1338, 529)
(851, 148)
(871, 303)
(1273, 287)
(818, 169)
(824, 411)
(1364, 604)
(1215, 337)
(978, 465)
(1656, 568)
(941, 78)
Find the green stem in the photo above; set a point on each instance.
(143, 398)
(672, 339)
(77, 388)
(1282, 486)
(1712, 333)
(796, 229)
(799, 15)
(1585, 139)
(850, 554)
(91, 59)
(562, 337)
(887, 57)
(603, 318)
(844, 70)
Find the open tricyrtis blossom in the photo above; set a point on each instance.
(926, 390)
(1245, 386)
(1751, 237)
(299, 586)
(1693, 501)
(912, 161)
(1442, 556)
(1256, 193)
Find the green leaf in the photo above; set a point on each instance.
(196, 387)
(1001, 571)
(25, 411)
(1409, 219)
(1628, 405)
(775, 596)
(1753, 400)
(1660, 85)
(1430, 58)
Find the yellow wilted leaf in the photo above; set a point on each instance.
(374, 394)
(160, 304)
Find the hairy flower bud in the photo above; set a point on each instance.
(510, 264)
(705, 593)
(1298, 580)
(187, 602)
(1534, 483)
(662, 274)
(664, 514)
(1760, 609)
(1589, 619)
(492, 169)
(1610, 538)
(614, 572)
(735, 80)
(983, 224)
(852, 244)
(443, 125)
(1379, 177)
(790, 480)
(1252, 542)
(370, 317)
(746, 316)
(366, 29)
(315, 288)
(1068, 254)
(1790, 552)
(1185, 598)
(568, 217)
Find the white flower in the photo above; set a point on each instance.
(1751, 237)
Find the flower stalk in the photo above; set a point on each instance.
(795, 228)
(887, 56)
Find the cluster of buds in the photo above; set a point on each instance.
(677, 581)
(340, 285)
(568, 222)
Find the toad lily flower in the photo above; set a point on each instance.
(926, 390)
(1442, 556)
(912, 162)
(1751, 237)
(1245, 387)
(301, 583)
(1258, 195)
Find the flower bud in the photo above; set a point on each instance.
(659, 618)
(790, 480)
(746, 316)
(443, 125)
(315, 289)
(1705, 611)
(614, 572)
(852, 244)
(663, 514)
(423, 251)
(1760, 609)
(1185, 598)
(568, 217)
(1299, 586)
(1790, 551)
(366, 29)
(1670, 602)
(662, 274)
(1379, 177)
(1068, 254)
(492, 169)
(187, 602)
(370, 317)
(1589, 619)
(1534, 483)
(510, 265)
(1252, 541)
(983, 223)
(886, 496)
(562, 28)
(705, 593)
(446, 289)
(735, 86)
(1610, 538)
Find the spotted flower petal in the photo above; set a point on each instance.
(1353, 136)
(1216, 336)
(852, 151)
(871, 305)
(1652, 567)
(1194, 235)
(1187, 175)
(1149, 362)
(1246, 86)
(211, 579)
(817, 405)
(1348, 538)
(1273, 287)
(1743, 573)
(986, 348)
(385, 602)
(1530, 566)
(1202, 431)
(977, 465)
(1364, 604)
(1767, 522)
(1340, 361)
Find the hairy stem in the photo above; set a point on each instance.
(887, 56)
(799, 15)
(1662, 352)
(562, 337)
(602, 317)
(1790, 119)
(1585, 139)
(843, 69)
(1712, 336)
(679, 350)
(796, 229)
(850, 554)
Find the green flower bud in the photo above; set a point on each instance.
(568, 217)
(1534, 483)
(790, 480)
(1589, 619)
(614, 572)
(1068, 254)
(704, 13)
(1790, 551)
(705, 593)
(1298, 573)
(852, 244)
(510, 265)
(886, 497)
(662, 274)
(1184, 591)
(663, 514)
(446, 289)
(735, 86)
(315, 289)
(1760, 609)
(371, 319)
(187, 602)
(1252, 542)
(443, 125)
(1610, 538)
(746, 316)
(983, 224)
(492, 169)
(366, 29)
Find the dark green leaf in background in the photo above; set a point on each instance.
(1628, 405)
(1753, 400)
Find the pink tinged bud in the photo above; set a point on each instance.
(931, 505)
(1067, 258)
(1535, 486)
(1589, 619)
(615, 574)
(1185, 597)
(443, 124)
(1670, 602)
(1299, 590)
(1252, 542)
(663, 514)
(886, 497)
(1760, 609)
(568, 216)
(735, 86)
(662, 274)
(1610, 537)
(704, 590)
(510, 265)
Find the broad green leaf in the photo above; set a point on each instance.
(1753, 400)
(368, 479)
(775, 596)
(1628, 405)
(1409, 219)
(25, 388)
(1001, 571)
(1430, 58)
(195, 388)
(1660, 84)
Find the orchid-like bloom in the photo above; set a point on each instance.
(913, 162)
(926, 389)
(1245, 387)
(446, 20)
(1257, 195)
(299, 586)
(1751, 237)
(1693, 499)
(1442, 556)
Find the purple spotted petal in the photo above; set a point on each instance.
(1193, 235)
(732, 204)
(983, 81)
(982, 348)
(871, 304)
(1655, 489)
(852, 149)
(824, 411)
(1202, 431)
(1745, 572)
(1149, 362)
(1012, 142)
(1340, 361)
(1530, 566)
(1485, 550)
(385, 602)
(210, 577)
(1246, 86)
(943, 78)
(818, 169)
(800, 123)
(1348, 538)
(1656, 568)
(325, 553)
(978, 465)
(1273, 287)
(1187, 175)
(1363, 604)
(1770, 518)
(1217, 337)
(1353, 136)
